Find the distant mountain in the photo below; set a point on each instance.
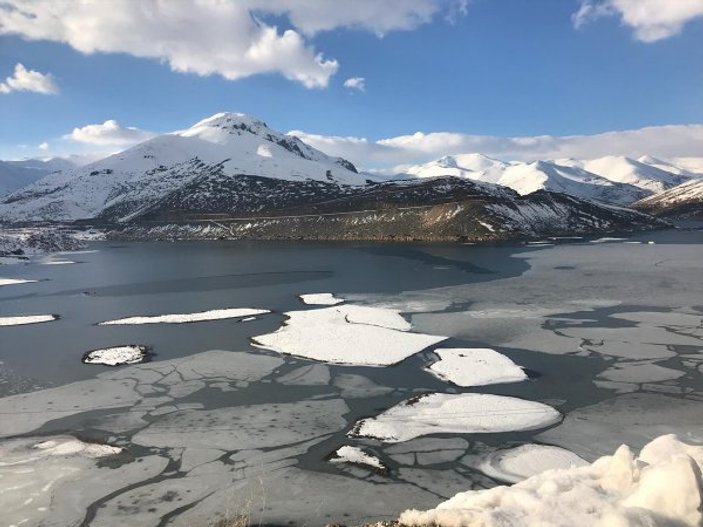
(17, 174)
(683, 201)
(526, 178)
(226, 145)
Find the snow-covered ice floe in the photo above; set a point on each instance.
(117, 356)
(660, 487)
(58, 262)
(356, 456)
(183, 318)
(22, 320)
(347, 334)
(466, 413)
(519, 463)
(320, 299)
(608, 239)
(15, 281)
(475, 367)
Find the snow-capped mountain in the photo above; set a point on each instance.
(685, 200)
(526, 178)
(620, 169)
(224, 146)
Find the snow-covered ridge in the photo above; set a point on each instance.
(685, 199)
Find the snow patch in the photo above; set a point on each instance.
(117, 356)
(347, 334)
(26, 319)
(356, 456)
(321, 299)
(183, 318)
(660, 487)
(467, 413)
(475, 367)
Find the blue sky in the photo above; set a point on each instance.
(501, 68)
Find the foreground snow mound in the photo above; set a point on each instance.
(117, 356)
(467, 413)
(23, 320)
(321, 299)
(183, 318)
(475, 367)
(661, 487)
(347, 334)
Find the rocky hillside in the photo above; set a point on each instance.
(683, 201)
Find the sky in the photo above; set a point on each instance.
(382, 82)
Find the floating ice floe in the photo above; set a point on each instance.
(15, 281)
(607, 239)
(519, 463)
(58, 262)
(183, 318)
(117, 356)
(467, 413)
(659, 487)
(356, 456)
(26, 319)
(475, 367)
(347, 334)
(321, 299)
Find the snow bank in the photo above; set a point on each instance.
(26, 319)
(321, 299)
(117, 356)
(347, 334)
(467, 413)
(519, 463)
(475, 367)
(15, 281)
(661, 487)
(182, 318)
(356, 456)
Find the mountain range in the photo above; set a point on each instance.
(230, 175)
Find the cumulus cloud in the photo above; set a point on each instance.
(43, 146)
(661, 141)
(228, 38)
(109, 133)
(28, 80)
(651, 20)
(355, 83)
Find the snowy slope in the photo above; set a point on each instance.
(476, 167)
(17, 174)
(228, 144)
(683, 200)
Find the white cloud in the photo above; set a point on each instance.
(229, 38)
(43, 146)
(355, 83)
(661, 141)
(28, 80)
(651, 20)
(109, 133)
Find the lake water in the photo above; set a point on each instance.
(610, 333)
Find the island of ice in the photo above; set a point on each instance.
(475, 367)
(356, 456)
(183, 318)
(22, 320)
(466, 413)
(519, 463)
(321, 299)
(117, 356)
(660, 487)
(347, 334)
(15, 281)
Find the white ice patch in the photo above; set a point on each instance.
(475, 367)
(26, 319)
(183, 318)
(58, 262)
(608, 239)
(116, 356)
(356, 456)
(321, 299)
(519, 463)
(467, 413)
(15, 281)
(347, 334)
(660, 487)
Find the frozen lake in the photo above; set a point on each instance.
(610, 335)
